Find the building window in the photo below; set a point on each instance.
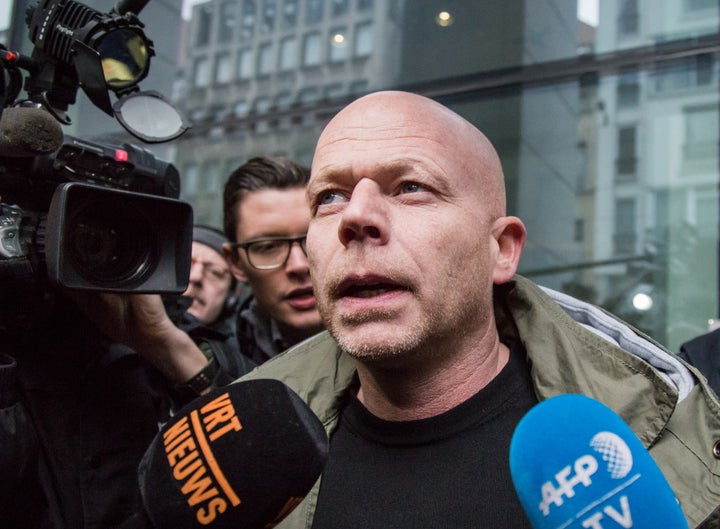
(201, 72)
(290, 13)
(190, 179)
(228, 20)
(579, 230)
(223, 68)
(627, 154)
(701, 132)
(247, 26)
(283, 100)
(704, 68)
(312, 49)
(241, 109)
(313, 11)
(629, 21)
(245, 68)
(338, 46)
(698, 5)
(359, 87)
(333, 91)
(706, 214)
(204, 25)
(308, 95)
(364, 5)
(628, 88)
(262, 105)
(265, 59)
(288, 54)
(363, 40)
(625, 232)
(269, 11)
(340, 7)
(211, 177)
(681, 74)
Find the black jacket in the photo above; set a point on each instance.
(76, 416)
(704, 353)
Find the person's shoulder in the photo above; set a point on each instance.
(315, 350)
(704, 346)
(709, 339)
(315, 366)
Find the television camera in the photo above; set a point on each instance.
(75, 213)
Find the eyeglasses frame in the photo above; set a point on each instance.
(300, 240)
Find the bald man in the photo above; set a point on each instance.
(435, 347)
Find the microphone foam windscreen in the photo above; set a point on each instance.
(242, 456)
(28, 132)
(577, 465)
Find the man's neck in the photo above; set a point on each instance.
(397, 394)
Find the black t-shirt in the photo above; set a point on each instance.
(449, 471)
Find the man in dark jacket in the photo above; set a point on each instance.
(704, 353)
(209, 319)
(266, 216)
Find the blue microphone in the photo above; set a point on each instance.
(577, 465)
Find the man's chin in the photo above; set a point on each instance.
(371, 343)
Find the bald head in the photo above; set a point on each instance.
(408, 235)
(403, 119)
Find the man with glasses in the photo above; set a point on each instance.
(267, 217)
(265, 212)
(206, 311)
(211, 285)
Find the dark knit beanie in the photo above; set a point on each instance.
(208, 236)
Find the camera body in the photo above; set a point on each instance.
(95, 217)
(75, 213)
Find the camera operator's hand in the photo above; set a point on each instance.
(140, 322)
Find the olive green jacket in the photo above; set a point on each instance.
(572, 347)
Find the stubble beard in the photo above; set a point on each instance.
(436, 332)
(428, 335)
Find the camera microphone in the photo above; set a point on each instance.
(577, 465)
(27, 131)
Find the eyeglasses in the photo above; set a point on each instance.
(270, 253)
(211, 271)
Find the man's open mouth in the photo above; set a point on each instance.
(367, 287)
(300, 293)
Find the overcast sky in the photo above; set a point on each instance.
(5, 13)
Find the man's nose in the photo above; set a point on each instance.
(297, 260)
(197, 269)
(365, 219)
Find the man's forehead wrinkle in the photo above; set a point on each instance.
(341, 171)
(398, 136)
(354, 131)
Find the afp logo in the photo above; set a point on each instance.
(615, 452)
(617, 459)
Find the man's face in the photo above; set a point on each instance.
(400, 241)
(284, 293)
(209, 284)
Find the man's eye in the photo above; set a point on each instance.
(330, 197)
(217, 274)
(266, 246)
(412, 187)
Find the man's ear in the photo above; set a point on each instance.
(232, 256)
(509, 233)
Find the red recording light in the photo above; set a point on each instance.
(121, 156)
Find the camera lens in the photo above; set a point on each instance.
(110, 245)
